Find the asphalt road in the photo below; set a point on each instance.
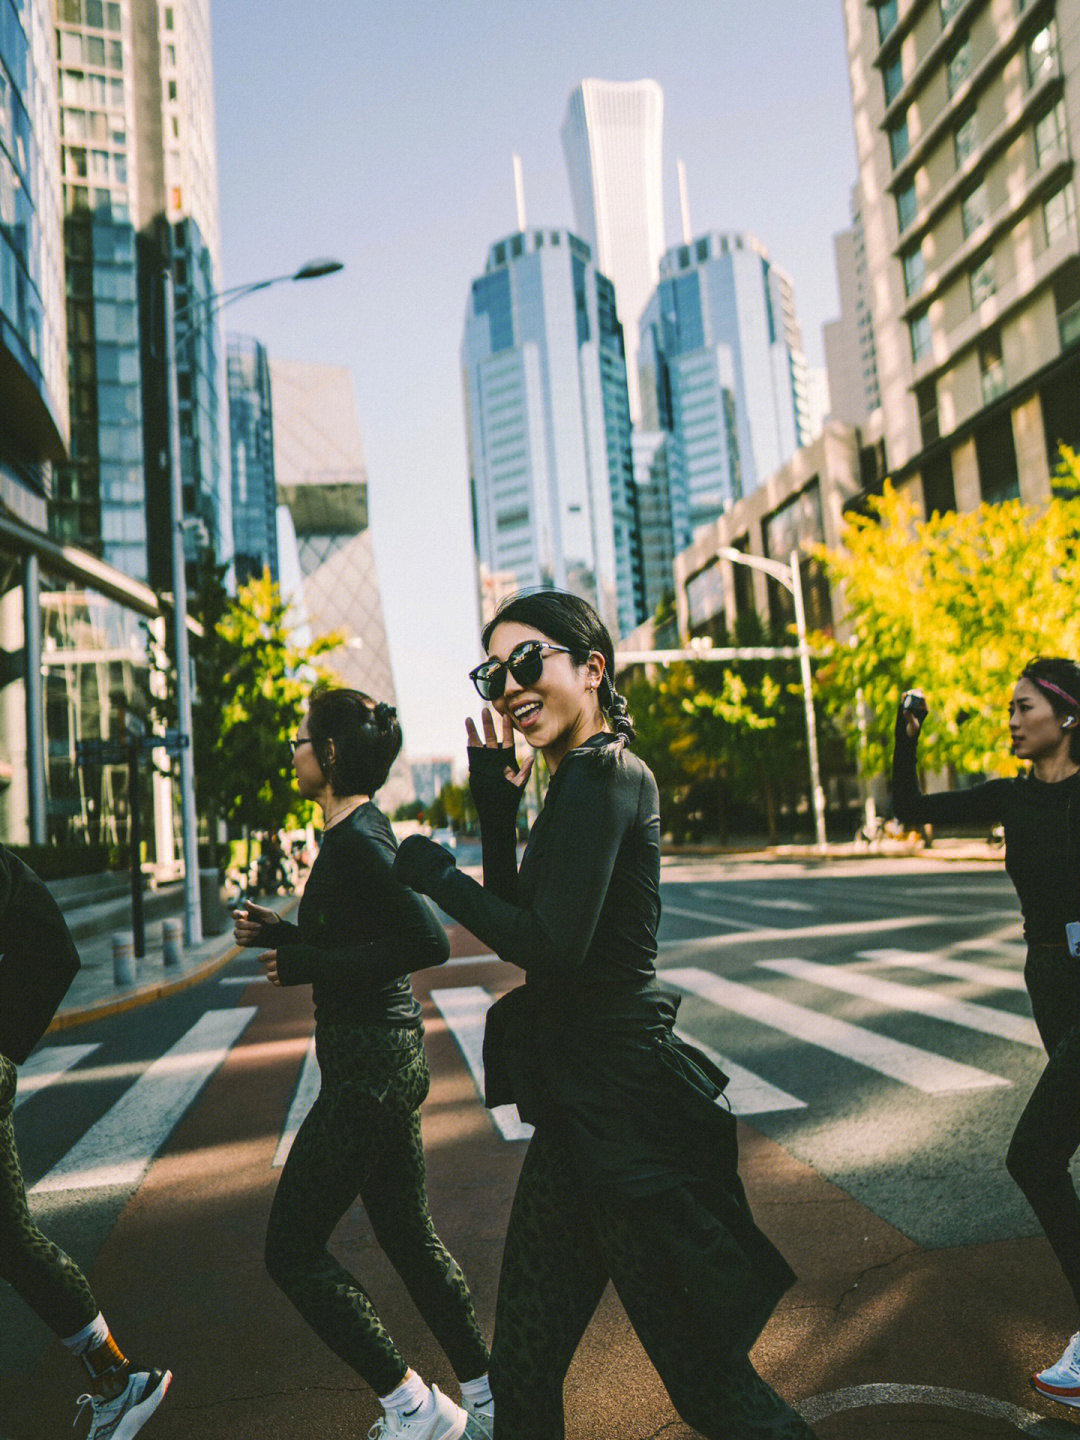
(880, 1050)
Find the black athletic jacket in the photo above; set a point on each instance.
(38, 959)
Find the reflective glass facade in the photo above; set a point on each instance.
(251, 433)
(548, 421)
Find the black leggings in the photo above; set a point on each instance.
(560, 1253)
(1048, 1133)
(362, 1138)
(48, 1280)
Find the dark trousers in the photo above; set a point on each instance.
(362, 1139)
(561, 1250)
(1048, 1133)
(48, 1280)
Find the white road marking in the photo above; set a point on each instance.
(118, 1148)
(747, 1093)
(930, 1073)
(918, 998)
(996, 976)
(858, 1397)
(241, 979)
(307, 1087)
(708, 919)
(487, 958)
(463, 1008)
(46, 1066)
(809, 932)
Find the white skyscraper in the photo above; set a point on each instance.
(612, 141)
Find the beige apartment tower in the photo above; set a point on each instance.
(966, 116)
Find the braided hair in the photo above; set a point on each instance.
(567, 619)
(366, 739)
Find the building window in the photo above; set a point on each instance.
(1051, 136)
(1042, 54)
(1067, 304)
(948, 10)
(966, 138)
(893, 79)
(887, 15)
(926, 403)
(974, 209)
(995, 454)
(939, 492)
(919, 327)
(982, 281)
(907, 206)
(1059, 214)
(914, 271)
(991, 367)
(959, 65)
(899, 140)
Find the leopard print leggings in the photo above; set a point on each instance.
(362, 1138)
(48, 1280)
(560, 1252)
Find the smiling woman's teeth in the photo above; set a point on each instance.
(526, 711)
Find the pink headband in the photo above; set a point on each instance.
(1072, 703)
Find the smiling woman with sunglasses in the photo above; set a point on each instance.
(359, 933)
(632, 1174)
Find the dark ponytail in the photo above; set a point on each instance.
(615, 706)
(366, 735)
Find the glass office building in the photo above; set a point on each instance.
(548, 425)
(722, 370)
(251, 433)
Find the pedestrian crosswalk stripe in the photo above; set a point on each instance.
(118, 1148)
(933, 1074)
(746, 1093)
(997, 977)
(46, 1066)
(918, 998)
(464, 1008)
(307, 1087)
(753, 934)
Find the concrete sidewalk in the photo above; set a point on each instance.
(94, 992)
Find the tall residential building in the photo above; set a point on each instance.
(612, 139)
(722, 369)
(965, 115)
(850, 356)
(251, 438)
(548, 426)
(140, 191)
(319, 465)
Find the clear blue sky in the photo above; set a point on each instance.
(382, 134)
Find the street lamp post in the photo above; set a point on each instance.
(195, 321)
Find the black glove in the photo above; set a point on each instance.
(912, 707)
(494, 795)
(421, 864)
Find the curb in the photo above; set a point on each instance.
(141, 995)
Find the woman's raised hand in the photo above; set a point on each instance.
(913, 710)
(517, 776)
(250, 921)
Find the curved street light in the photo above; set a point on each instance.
(194, 322)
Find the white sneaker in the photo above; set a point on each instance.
(1061, 1381)
(446, 1422)
(123, 1417)
(481, 1424)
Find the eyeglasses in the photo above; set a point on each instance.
(295, 741)
(525, 663)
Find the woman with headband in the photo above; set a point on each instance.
(1040, 812)
(632, 1173)
(358, 935)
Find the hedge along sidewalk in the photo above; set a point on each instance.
(94, 994)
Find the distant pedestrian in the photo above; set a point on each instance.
(359, 933)
(632, 1173)
(38, 963)
(1040, 813)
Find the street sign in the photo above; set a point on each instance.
(97, 751)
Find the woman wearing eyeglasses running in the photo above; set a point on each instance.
(359, 933)
(1040, 812)
(631, 1174)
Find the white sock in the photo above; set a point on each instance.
(90, 1337)
(409, 1396)
(476, 1393)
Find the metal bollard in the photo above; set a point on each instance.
(123, 957)
(172, 937)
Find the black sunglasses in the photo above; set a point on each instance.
(295, 741)
(525, 663)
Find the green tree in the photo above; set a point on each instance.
(956, 605)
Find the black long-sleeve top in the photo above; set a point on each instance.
(38, 959)
(1041, 821)
(359, 932)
